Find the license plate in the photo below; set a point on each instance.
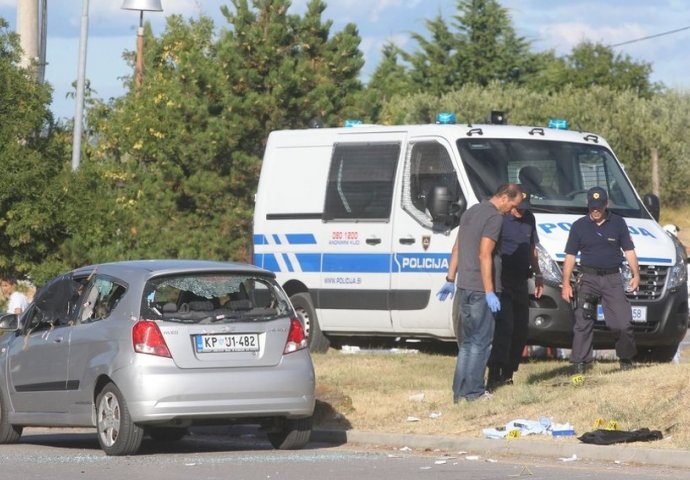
(247, 342)
(639, 314)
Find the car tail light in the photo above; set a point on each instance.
(147, 338)
(296, 339)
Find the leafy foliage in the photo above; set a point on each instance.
(30, 149)
(187, 143)
(170, 168)
(481, 47)
(631, 124)
(592, 64)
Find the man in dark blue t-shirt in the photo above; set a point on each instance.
(601, 238)
(519, 261)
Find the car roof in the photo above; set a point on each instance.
(150, 268)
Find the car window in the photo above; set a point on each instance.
(213, 298)
(54, 304)
(101, 297)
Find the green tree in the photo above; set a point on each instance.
(591, 64)
(186, 145)
(31, 153)
(479, 46)
(389, 79)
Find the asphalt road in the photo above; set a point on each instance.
(56, 453)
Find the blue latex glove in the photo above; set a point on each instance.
(493, 301)
(448, 288)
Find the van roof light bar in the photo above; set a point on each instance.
(445, 118)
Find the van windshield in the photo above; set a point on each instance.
(556, 174)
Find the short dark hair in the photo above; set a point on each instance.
(9, 279)
(512, 190)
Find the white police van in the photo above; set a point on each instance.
(358, 225)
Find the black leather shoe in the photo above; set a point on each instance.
(580, 368)
(626, 365)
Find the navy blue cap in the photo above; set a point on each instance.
(597, 197)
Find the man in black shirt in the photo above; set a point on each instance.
(519, 261)
(602, 238)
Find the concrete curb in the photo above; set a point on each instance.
(555, 448)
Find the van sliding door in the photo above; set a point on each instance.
(356, 264)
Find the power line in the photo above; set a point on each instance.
(650, 36)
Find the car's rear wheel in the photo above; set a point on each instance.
(167, 434)
(291, 434)
(8, 433)
(117, 434)
(318, 342)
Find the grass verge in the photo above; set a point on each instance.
(387, 392)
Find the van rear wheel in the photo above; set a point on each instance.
(318, 342)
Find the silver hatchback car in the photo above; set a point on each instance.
(153, 347)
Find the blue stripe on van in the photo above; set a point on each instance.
(421, 262)
(270, 263)
(301, 239)
(652, 260)
(357, 262)
(309, 262)
(288, 263)
(260, 239)
(276, 239)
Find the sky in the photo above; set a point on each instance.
(548, 24)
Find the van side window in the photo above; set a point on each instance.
(427, 166)
(361, 180)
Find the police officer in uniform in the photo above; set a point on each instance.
(602, 239)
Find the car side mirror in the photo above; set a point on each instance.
(9, 322)
(651, 201)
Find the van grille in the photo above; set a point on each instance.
(652, 281)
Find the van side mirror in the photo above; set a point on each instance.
(442, 208)
(651, 201)
(9, 322)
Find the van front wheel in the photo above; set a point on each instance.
(318, 342)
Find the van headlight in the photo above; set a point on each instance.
(549, 268)
(678, 273)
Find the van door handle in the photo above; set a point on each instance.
(373, 241)
(407, 240)
(57, 340)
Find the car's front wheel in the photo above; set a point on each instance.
(117, 434)
(8, 433)
(291, 434)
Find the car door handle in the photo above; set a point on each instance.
(57, 340)
(373, 241)
(406, 240)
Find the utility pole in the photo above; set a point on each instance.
(27, 28)
(32, 27)
(79, 111)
